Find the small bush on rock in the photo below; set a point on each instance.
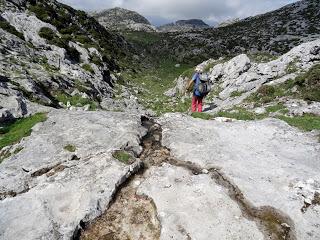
(47, 33)
(123, 157)
(70, 148)
(9, 28)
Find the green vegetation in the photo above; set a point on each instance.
(266, 94)
(292, 67)
(77, 26)
(262, 57)
(62, 42)
(82, 87)
(123, 157)
(275, 108)
(236, 94)
(70, 148)
(143, 38)
(307, 87)
(309, 84)
(75, 100)
(155, 81)
(88, 68)
(17, 150)
(4, 154)
(188, 73)
(213, 63)
(307, 122)
(12, 133)
(9, 28)
(240, 114)
(201, 115)
(7, 153)
(47, 33)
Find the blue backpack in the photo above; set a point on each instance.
(203, 86)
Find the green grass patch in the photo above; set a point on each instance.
(155, 81)
(240, 114)
(275, 108)
(70, 148)
(188, 73)
(13, 132)
(142, 38)
(262, 57)
(266, 94)
(202, 115)
(292, 67)
(75, 100)
(307, 122)
(88, 68)
(236, 94)
(123, 157)
(307, 87)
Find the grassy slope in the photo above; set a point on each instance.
(307, 87)
(13, 132)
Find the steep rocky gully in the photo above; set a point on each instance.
(131, 216)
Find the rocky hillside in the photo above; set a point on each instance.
(228, 22)
(184, 25)
(246, 168)
(274, 32)
(65, 59)
(119, 19)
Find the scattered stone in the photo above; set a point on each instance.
(260, 110)
(205, 171)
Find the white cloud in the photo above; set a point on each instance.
(159, 11)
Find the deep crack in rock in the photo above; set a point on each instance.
(273, 223)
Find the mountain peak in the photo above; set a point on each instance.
(123, 19)
(184, 25)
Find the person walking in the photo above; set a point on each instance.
(198, 94)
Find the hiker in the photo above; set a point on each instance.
(201, 88)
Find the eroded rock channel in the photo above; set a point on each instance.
(143, 207)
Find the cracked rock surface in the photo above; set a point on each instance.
(264, 159)
(194, 206)
(47, 191)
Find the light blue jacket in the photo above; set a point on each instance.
(196, 79)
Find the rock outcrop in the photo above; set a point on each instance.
(119, 19)
(239, 77)
(270, 162)
(54, 62)
(48, 189)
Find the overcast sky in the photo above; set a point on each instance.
(163, 11)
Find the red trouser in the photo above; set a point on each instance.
(196, 104)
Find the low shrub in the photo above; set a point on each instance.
(47, 33)
(9, 28)
(123, 157)
(70, 148)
